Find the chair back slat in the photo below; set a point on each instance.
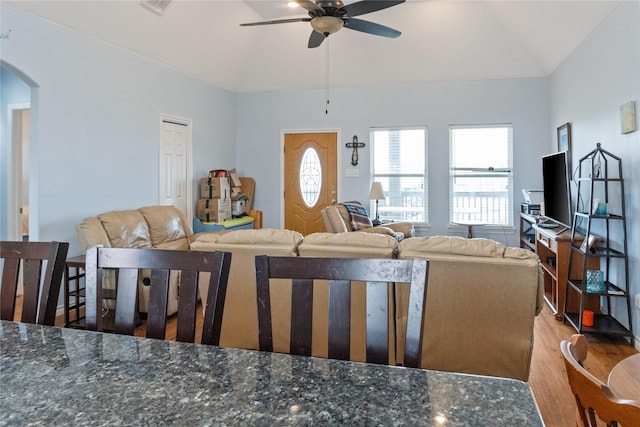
(379, 275)
(339, 319)
(187, 297)
(42, 269)
(417, 306)
(216, 296)
(378, 325)
(301, 316)
(265, 335)
(158, 299)
(126, 301)
(10, 274)
(130, 262)
(31, 275)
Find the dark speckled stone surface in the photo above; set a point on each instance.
(52, 376)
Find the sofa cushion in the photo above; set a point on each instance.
(261, 236)
(348, 244)
(165, 227)
(454, 245)
(126, 229)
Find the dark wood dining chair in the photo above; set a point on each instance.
(340, 273)
(128, 263)
(593, 397)
(42, 266)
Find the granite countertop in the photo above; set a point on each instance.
(55, 376)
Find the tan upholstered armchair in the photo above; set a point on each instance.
(338, 220)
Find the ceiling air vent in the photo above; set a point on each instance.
(156, 6)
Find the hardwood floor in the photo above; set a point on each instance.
(547, 379)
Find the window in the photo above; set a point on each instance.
(310, 177)
(399, 163)
(480, 174)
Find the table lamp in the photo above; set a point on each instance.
(376, 194)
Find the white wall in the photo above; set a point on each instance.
(587, 90)
(262, 117)
(96, 121)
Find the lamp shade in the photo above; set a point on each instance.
(376, 193)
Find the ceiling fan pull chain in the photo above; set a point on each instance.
(326, 109)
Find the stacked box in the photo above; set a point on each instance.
(214, 210)
(215, 188)
(215, 199)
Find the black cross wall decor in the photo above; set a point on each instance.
(355, 145)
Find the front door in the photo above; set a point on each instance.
(310, 179)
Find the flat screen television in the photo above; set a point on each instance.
(557, 189)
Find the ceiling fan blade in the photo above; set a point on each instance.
(371, 28)
(277, 21)
(368, 6)
(310, 6)
(316, 39)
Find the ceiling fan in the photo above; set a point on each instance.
(329, 16)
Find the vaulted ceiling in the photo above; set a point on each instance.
(441, 41)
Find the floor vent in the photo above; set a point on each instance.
(156, 6)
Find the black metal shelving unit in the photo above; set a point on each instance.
(600, 207)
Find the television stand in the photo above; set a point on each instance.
(553, 247)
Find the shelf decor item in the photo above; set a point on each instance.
(595, 281)
(587, 243)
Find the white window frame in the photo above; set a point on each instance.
(376, 176)
(484, 215)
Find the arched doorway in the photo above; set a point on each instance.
(15, 155)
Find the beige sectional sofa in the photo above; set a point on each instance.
(482, 298)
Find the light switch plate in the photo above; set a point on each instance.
(351, 172)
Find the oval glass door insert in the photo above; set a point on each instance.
(310, 177)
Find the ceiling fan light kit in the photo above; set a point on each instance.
(329, 16)
(327, 24)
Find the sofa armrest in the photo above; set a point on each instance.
(91, 233)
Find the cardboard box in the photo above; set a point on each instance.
(213, 210)
(211, 188)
